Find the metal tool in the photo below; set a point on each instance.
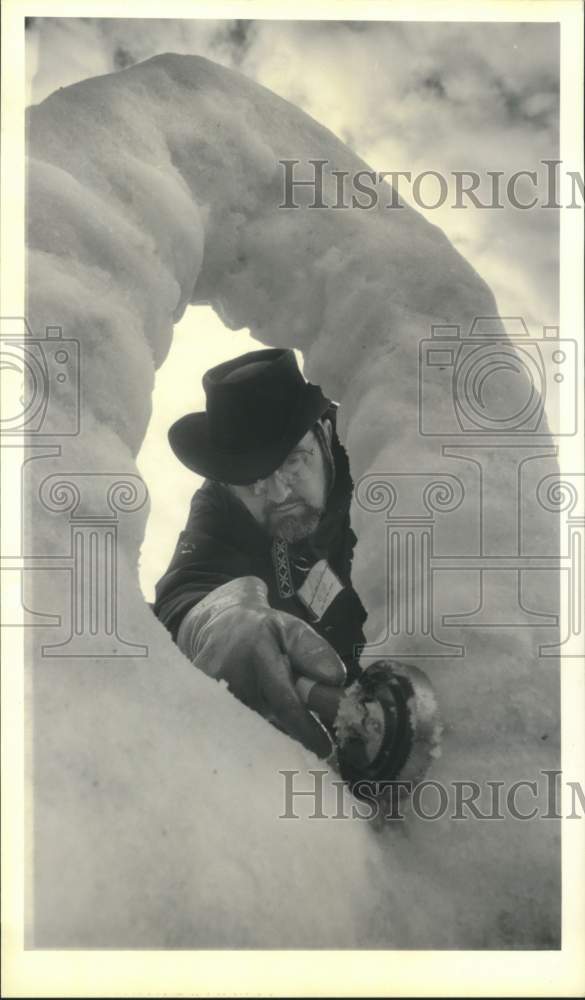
(385, 726)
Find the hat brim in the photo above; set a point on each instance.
(190, 442)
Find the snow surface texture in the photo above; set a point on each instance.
(156, 794)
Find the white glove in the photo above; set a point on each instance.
(233, 634)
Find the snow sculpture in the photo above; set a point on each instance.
(156, 795)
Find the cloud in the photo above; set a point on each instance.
(443, 97)
(404, 96)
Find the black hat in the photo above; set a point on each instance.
(258, 407)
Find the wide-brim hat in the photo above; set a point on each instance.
(258, 407)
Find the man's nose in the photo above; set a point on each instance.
(278, 488)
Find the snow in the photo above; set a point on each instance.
(157, 795)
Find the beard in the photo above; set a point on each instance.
(293, 525)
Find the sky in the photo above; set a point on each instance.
(405, 97)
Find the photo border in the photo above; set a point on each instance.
(69, 973)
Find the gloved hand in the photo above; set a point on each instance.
(233, 634)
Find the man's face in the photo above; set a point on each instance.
(291, 501)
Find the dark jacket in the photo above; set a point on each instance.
(222, 541)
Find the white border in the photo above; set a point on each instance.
(292, 973)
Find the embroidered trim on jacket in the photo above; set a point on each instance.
(282, 568)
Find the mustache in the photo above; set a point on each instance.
(274, 508)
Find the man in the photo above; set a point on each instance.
(258, 591)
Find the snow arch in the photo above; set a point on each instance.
(157, 796)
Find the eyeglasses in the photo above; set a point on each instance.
(291, 472)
